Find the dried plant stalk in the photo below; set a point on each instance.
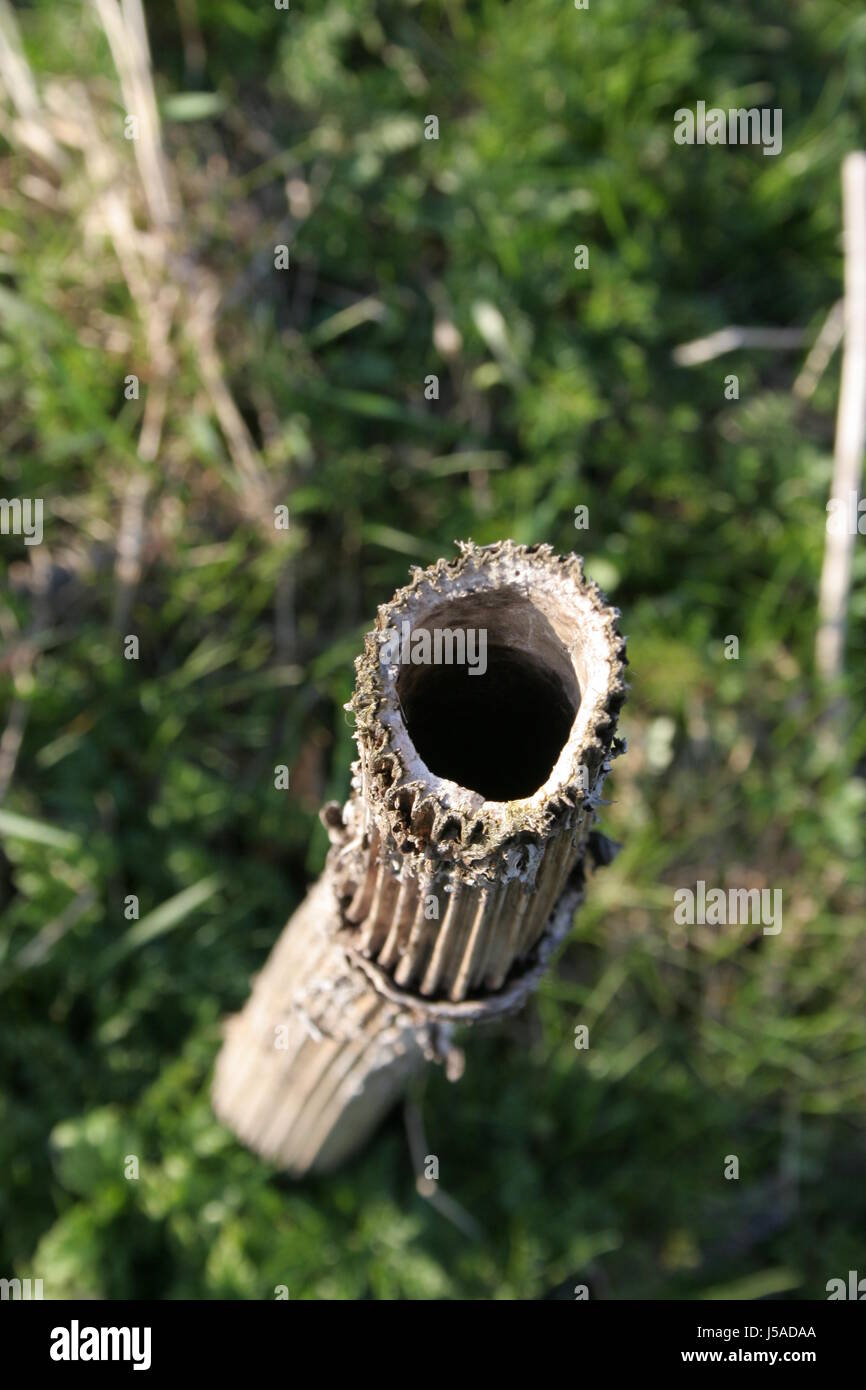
(455, 866)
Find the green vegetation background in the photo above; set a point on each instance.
(706, 519)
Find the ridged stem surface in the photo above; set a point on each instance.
(438, 904)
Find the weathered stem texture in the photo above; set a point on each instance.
(456, 864)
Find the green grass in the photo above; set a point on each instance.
(155, 777)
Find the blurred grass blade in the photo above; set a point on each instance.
(401, 541)
(758, 1285)
(164, 918)
(193, 106)
(36, 831)
(368, 310)
(466, 461)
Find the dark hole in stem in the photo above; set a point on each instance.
(499, 733)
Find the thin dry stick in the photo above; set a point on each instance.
(850, 429)
(820, 353)
(10, 743)
(22, 659)
(28, 128)
(127, 36)
(201, 329)
(130, 538)
(21, 656)
(729, 339)
(445, 891)
(440, 1200)
(153, 258)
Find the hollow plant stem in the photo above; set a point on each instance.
(451, 877)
